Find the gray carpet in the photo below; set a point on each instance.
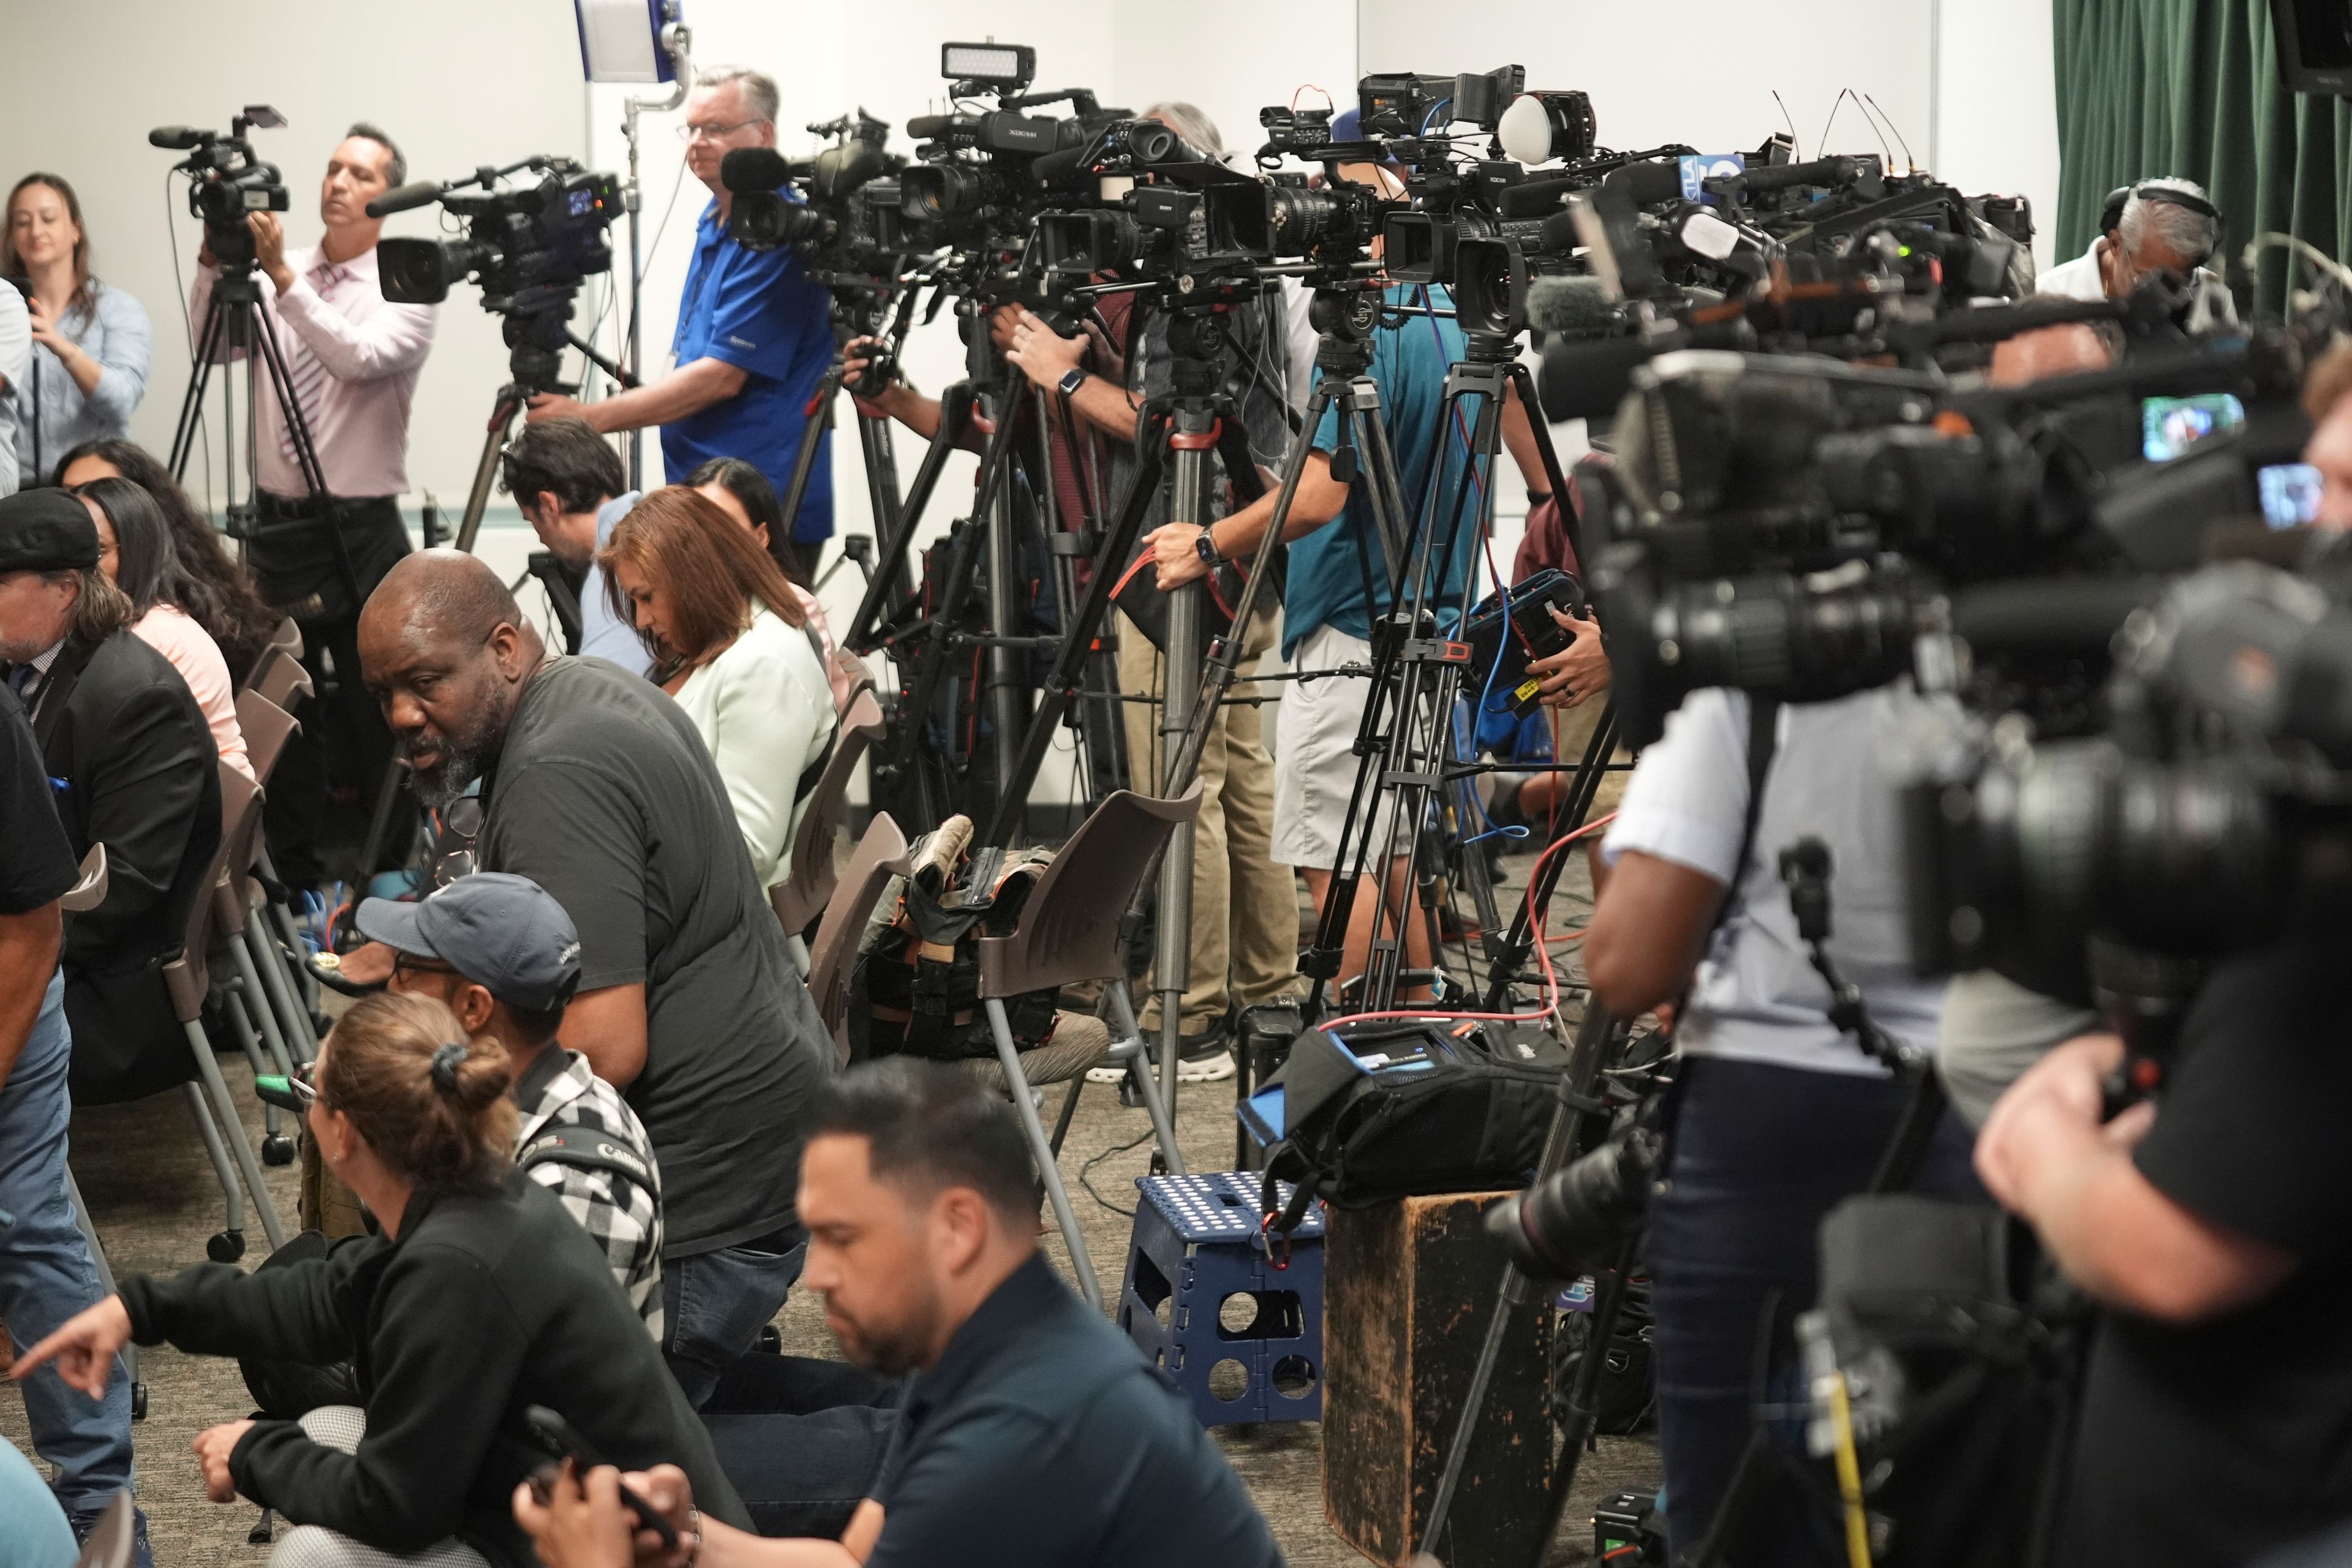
(155, 1202)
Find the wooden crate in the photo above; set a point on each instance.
(1408, 1289)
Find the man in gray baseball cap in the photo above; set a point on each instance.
(502, 954)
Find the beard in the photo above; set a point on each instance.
(889, 1351)
(442, 783)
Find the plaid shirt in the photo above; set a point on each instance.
(581, 1141)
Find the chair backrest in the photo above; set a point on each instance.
(89, 891)
(881, 855)
(185, 976)
(288, 636)
(800, 897)
(849, 676)
(267, 726)
(1069, 926)
(279, 675)
(232, 887)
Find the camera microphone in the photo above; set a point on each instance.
(1053, 166)
(1647, 184)
(401, 198)
(179, 138)
(1578, 306)
(1780, 176)
(928, 127)
(754, 169)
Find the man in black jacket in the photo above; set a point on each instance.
(596, 786)
(135, 768)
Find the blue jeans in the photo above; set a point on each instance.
(46, 1274)
(802, 1440)
(1757, 1157)
(714, 1305)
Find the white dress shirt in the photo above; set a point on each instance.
(2081, 278)
(354, 358)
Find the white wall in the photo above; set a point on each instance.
(1996, 106)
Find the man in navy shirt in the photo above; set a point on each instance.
(754, 332)
(1033, 1434)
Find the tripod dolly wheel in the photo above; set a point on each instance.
(225, 1247)
(139, 1402)
(277, 1149)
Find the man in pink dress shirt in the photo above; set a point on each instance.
(352, 358)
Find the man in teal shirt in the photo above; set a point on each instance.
(1338, 583)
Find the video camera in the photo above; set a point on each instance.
(228, 181)
(1803, 528)
(529, 246)
(829, 219)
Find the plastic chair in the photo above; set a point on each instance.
(279, 675)
(188, 979)
(849, 677)
(804, 894)
(268, 727)
(89, 891)
(1069, 932)
(880, 855)
(113, 1542)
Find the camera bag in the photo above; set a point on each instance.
(915, 987)
(1387, 1109)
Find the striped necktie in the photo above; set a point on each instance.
(304, 372)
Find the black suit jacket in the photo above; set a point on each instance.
(141, 774)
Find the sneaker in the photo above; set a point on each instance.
(141, 1556)
(1208, 1060)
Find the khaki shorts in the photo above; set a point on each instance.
(1315, 761)
(1571, 733)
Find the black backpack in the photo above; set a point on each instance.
(1391, 1109)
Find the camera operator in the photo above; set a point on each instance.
(754, 334)
(2167, 226)
(2212, 1224)
(569, 482)
(46, 1273)
(352, 358)
(1032, 1433)
(1776, 1114)
(595, 787)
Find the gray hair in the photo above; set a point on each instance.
(2179, 229)
(396, 171)
(1188, 120)
(759, 93)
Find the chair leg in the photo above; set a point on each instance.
(293, 1018)
(259, 1002)
(240, 1024)
(1069, 1109)
(1048, 1168)
(1139, 1070)
(231, 1189)
(232, 1132)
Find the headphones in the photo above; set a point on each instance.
(2165, 192)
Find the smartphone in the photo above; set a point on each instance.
(548, 1432)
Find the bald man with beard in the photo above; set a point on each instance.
(595, 787)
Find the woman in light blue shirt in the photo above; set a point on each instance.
(91, 343)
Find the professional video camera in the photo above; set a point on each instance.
(228, 181)
(829, 220)
(529, 246)
(1801, 529)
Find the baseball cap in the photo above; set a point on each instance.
(46, 531)
(504, 934)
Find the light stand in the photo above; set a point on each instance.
(676, 41)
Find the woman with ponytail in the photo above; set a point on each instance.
(476, 1297)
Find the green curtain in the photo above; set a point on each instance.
(2190, 88)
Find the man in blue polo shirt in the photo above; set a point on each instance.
(1033, 1434)
(754, 332)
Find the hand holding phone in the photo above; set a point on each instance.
(549, 1433)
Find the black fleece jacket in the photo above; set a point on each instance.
(489, 1300)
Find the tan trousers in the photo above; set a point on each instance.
(1244, 907)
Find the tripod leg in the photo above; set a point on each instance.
(890, 568)
(817, 420)
(486, 468)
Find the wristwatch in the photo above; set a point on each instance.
(1072, 379)
(1207, 546)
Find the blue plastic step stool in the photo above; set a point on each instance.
(1239, 1328)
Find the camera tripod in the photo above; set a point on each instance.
(1406, 736)
(235, 322)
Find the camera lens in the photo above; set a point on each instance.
(1296, 219)
(931, 192)
(1569, 1223)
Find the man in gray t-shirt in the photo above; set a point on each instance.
(597, 788)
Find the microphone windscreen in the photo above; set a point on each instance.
(401, 198)
(1588, 380)
(1647, 184)
(1536, 198)
(177, 137)
(1525, 130)
(2050, 615)
(1051, 166)
(1780, 176)
(754, 169)
(926, 127)
(1578, 307)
